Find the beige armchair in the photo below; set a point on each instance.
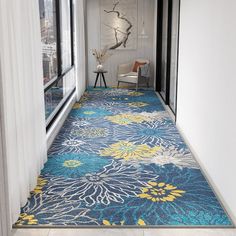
(125, 73)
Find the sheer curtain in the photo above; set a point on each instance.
(23, 103)
(80, 46)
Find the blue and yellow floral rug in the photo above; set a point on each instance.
(120, 161)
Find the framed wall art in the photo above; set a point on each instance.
(119, 24)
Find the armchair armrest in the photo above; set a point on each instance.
(124, 68)
(144, 70)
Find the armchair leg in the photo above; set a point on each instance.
(136, 87)
(118, 84)
(147, 84)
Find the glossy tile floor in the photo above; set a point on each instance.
(124, 232)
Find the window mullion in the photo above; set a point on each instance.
(72, 31)
(59, 54)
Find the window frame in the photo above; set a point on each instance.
(61, 74)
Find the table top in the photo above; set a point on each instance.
(100, 71)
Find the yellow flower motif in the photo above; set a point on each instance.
(84, 98)
(137, 104)
(160, 192)
(89, 112)
(141, 222)
(72, 163)
(129, 151)
(26, 219)
(125, 119)
(40, 184)
(108, 223)
(77, 105)
(135, 94)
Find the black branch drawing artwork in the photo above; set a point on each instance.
(125, 34)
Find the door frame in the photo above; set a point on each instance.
(159, 52)
(159, 44)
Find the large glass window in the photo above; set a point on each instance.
(66, 51)
(49, 39)
(57, 54)
(56, 95)
(53, 96)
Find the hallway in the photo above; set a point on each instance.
(120, 161)
(158, 160)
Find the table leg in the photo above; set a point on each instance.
(96, 80)
(104, 80)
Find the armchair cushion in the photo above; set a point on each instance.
(137, 64)
(128, 79)
(129, 74)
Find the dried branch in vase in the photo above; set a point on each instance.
(101, 56)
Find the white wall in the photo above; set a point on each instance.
(80, 46)
(144, 48)
(207, 89)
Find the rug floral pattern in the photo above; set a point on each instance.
(120, 161)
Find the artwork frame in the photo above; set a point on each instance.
(118, 24)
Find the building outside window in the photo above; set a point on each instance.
(49, 39)
(57, 54)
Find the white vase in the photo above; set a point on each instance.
(100, 67)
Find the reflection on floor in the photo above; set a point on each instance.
(120, 161)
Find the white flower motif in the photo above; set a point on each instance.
(180, 158)
(156, 116)
(72, 143)
(156, 133)
(91, 132)
(64, 143)
(80, 123)
(55, 210)
(114, 183)
(113, 92)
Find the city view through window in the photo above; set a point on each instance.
(49, 39)
(58, 79)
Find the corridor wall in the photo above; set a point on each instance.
(206, 111)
